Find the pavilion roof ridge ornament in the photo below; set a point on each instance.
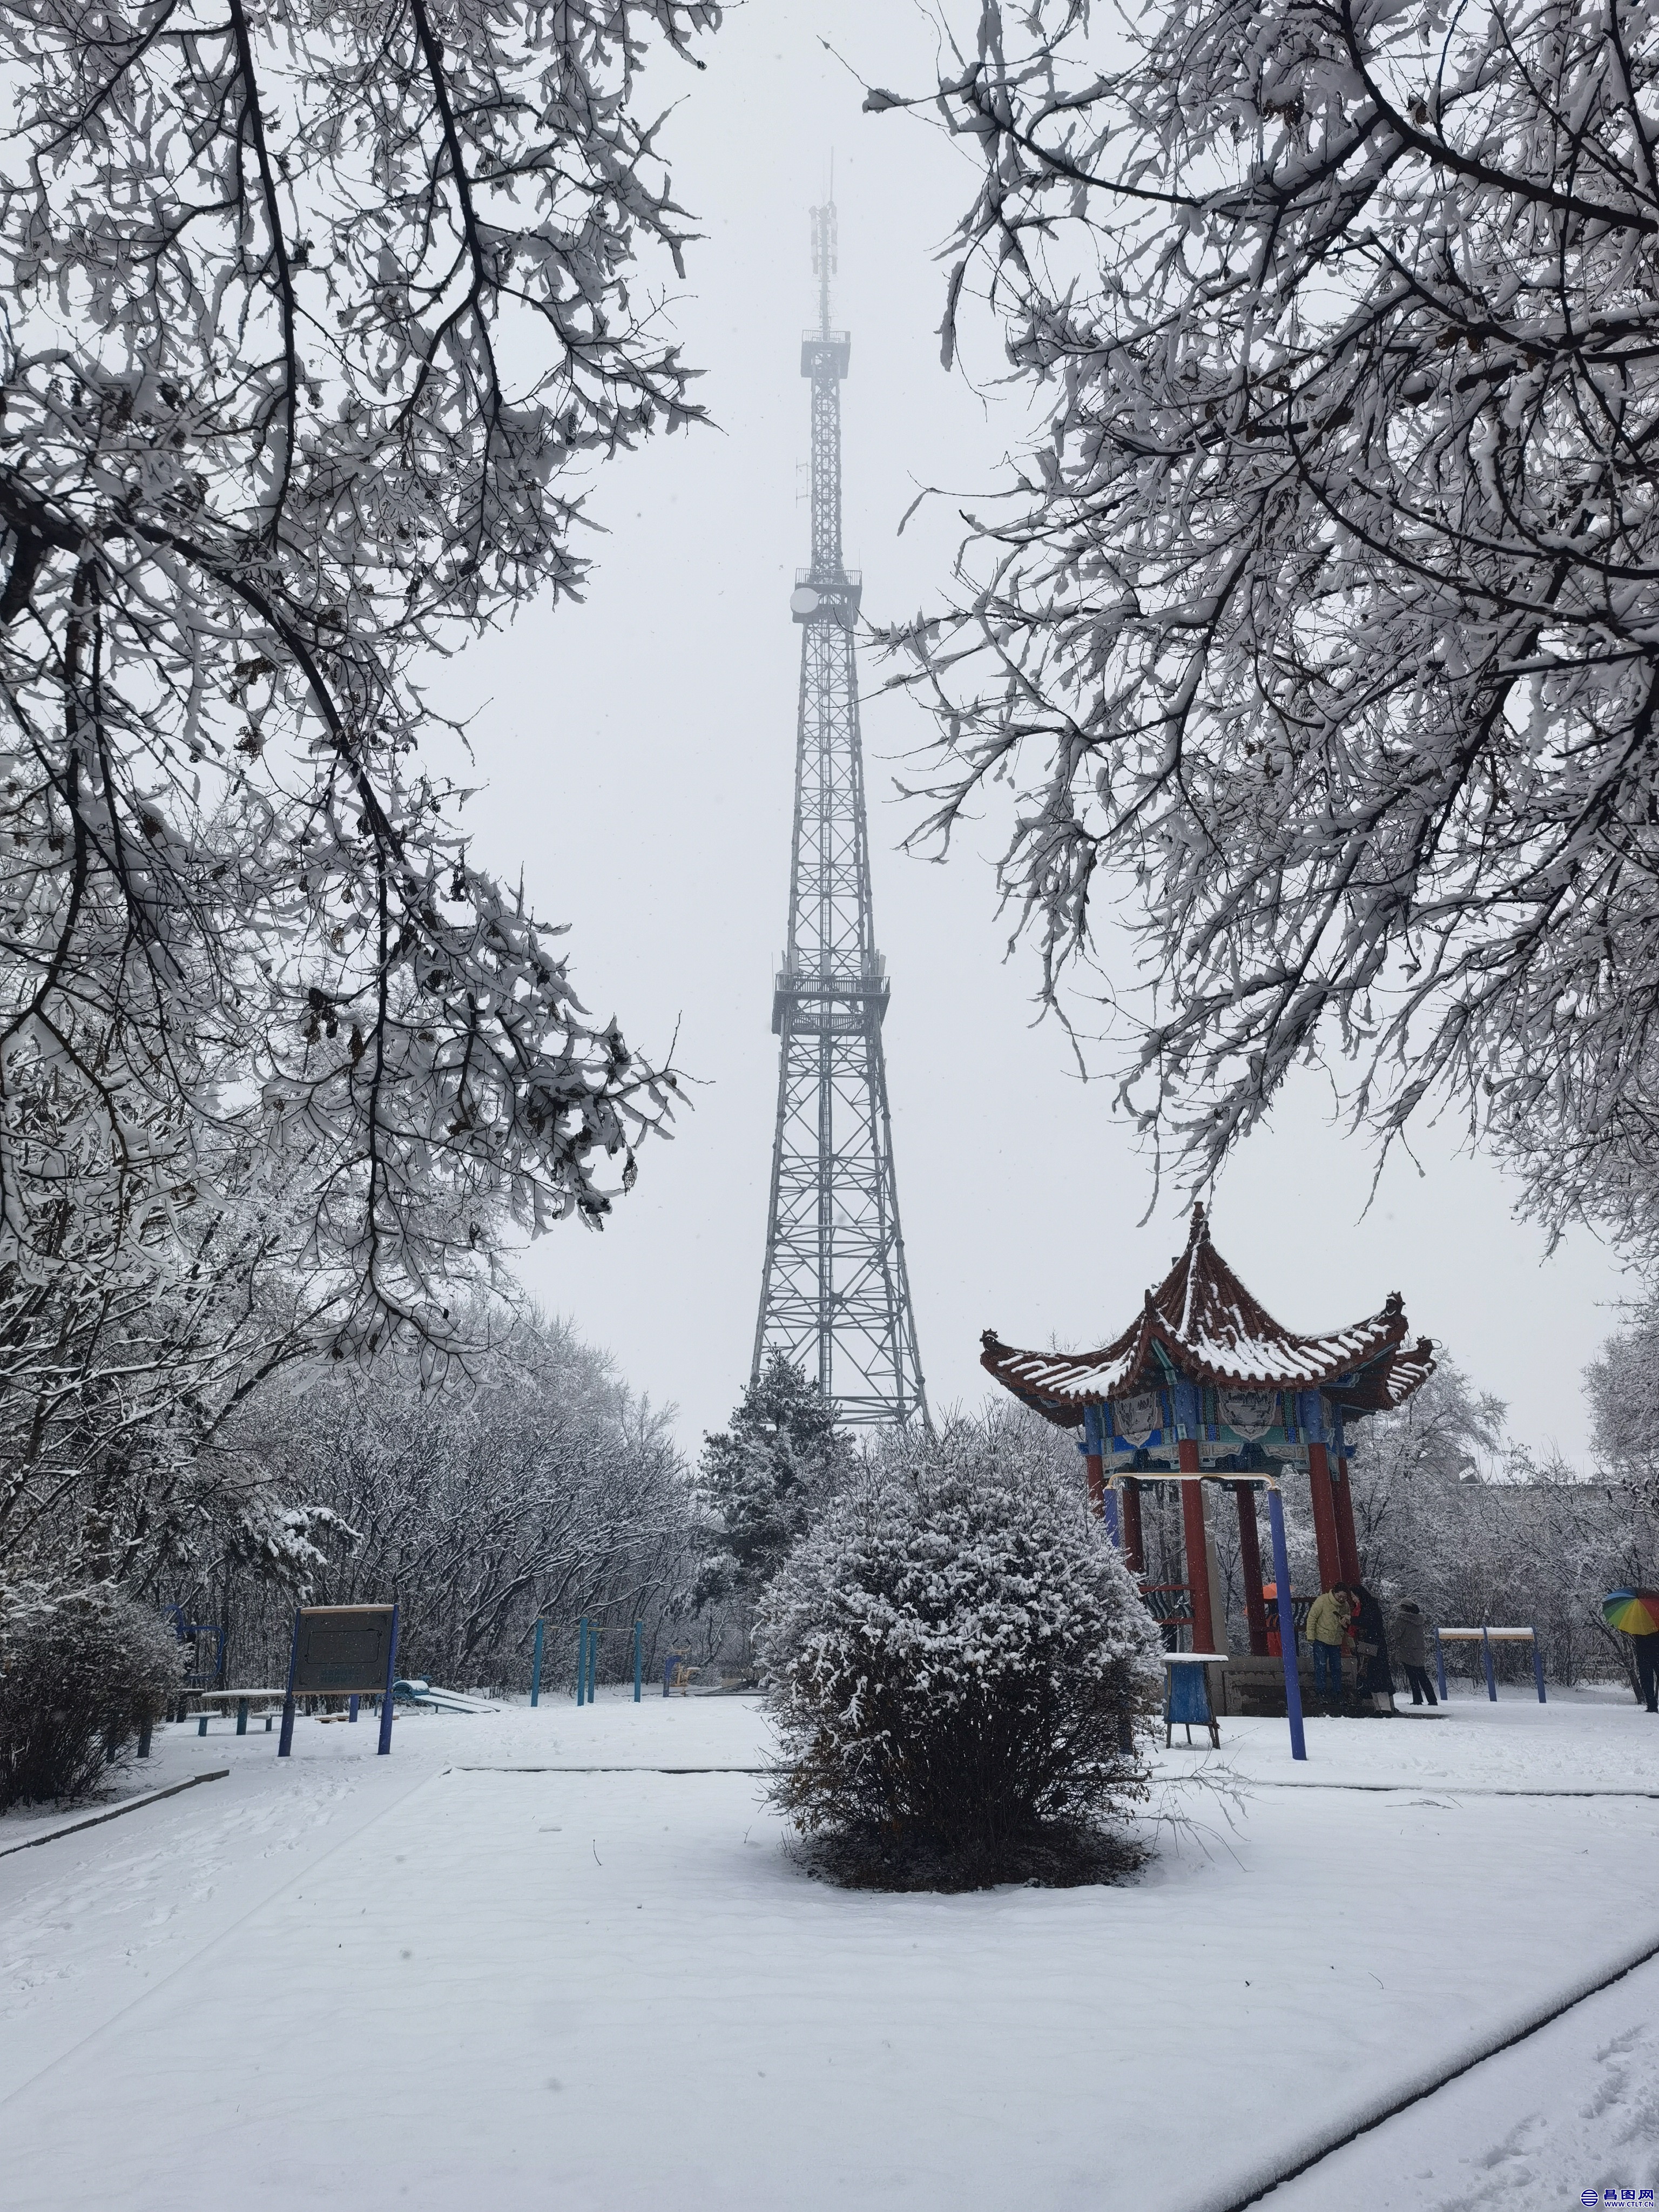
(1203, 1324)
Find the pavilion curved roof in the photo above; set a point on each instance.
(1202, 1324)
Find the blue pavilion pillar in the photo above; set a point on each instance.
(1286, 1623)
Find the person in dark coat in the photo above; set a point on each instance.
(1411, 1643)
(1370, 1638)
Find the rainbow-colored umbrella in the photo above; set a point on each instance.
(1635, 1610)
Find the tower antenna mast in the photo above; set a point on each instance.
(835, 1292)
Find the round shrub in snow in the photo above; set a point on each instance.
(81, 1671)
(959, 1665)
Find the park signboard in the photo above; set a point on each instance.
(342, 1650)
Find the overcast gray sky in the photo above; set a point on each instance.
(639, 752)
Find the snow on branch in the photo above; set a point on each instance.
(317, 318)
(1320, 633)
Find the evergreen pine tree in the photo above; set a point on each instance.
(763, 1481)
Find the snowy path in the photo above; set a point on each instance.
(383, 1983)
(1576, 2107)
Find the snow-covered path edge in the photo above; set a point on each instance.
(114, 1812)
(1270, 2173)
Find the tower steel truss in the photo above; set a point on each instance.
(834, 1295)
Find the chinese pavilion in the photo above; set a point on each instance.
(1204, 1383)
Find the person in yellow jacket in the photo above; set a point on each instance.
(1328, 1618)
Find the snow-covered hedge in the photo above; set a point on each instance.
(958, 1666)
(81, 1671)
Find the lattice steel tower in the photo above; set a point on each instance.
(835, 1296)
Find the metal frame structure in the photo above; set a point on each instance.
(835, 1293)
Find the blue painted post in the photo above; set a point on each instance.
(1440, 1668)
(1286, 1624)
(383, 1749)
(536, 1667)
(285, 1741)
(1538, 1668)
(1109, 1507)
(241, 1714)
(639, 1656)
(352, 1713)
(1486, 1653)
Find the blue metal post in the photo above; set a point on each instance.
(582, 1661)
(1286, 1624)
(1486, 1653)
(285, 1741)
(351, 1712)
(1440, 1668)
(536, 1667)
(1538, 1668)
(639, 1656)
(383, 1748)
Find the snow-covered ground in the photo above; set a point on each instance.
(482, 1972)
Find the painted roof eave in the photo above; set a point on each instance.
(1365, 1366)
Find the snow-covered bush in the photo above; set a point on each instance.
(957, 1664)
(81, 1672)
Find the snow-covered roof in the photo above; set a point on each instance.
(1210, 1330)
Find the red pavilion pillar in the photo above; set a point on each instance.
(1347, 1542)
(1094, 1468)
(1134, 1544)
(1324, 1515)
(1198, 1563)
(1249, 1560)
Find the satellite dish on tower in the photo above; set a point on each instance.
(804, 601)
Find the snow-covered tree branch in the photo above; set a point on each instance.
(1321, 635)
(541, 1486)
(315, 318)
